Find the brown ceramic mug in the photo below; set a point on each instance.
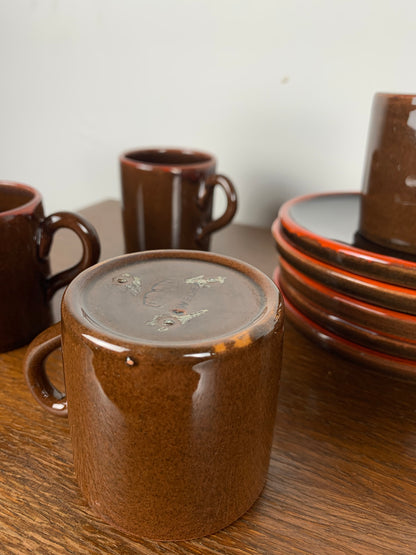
(167, 198)
(26, 286)
(388, 206)
(172, 364)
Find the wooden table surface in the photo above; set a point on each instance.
(342, 476)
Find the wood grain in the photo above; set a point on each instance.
(342, 476)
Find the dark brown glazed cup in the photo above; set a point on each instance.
(26, 286)
(172, 364)
(167, 198)
(388, 206)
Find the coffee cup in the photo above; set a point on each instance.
(172, 363)
(167, 199)
(26, 286)
(388, 205)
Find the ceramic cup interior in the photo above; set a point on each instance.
(168, 157)
(13, 197)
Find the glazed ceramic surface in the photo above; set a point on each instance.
(388, 209)
(172, 364)
(167, 199)
(331, 321)
(26, 285)
(399, 325)
(368, 290)
(325, 227)
(348, 349)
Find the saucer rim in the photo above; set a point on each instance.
(358, 310)
(393, 296)
(361, 335)
(348, 349)
(394, 270)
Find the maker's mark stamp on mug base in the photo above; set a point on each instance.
(166, 321)
(156, 297)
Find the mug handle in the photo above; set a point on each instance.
(45, 393)
(205, 193)
(90, 246)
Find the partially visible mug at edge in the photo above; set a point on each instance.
(26, 286)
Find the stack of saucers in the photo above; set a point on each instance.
(356, 299)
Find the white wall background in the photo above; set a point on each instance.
(279, 90)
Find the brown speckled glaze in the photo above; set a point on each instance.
(167, 199)
(388, 209)
(25, 240)
(172, 365)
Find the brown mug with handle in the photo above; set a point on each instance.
(167, 199)
(172, 363)
(26, 286)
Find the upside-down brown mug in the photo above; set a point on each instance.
(388, 205)
(172, 364)
(26, 286)
(167, 199)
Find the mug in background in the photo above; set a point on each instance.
(25, 241)
(167, 197)
(172, 365)
(388, 205)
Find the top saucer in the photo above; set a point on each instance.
(325, 227)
